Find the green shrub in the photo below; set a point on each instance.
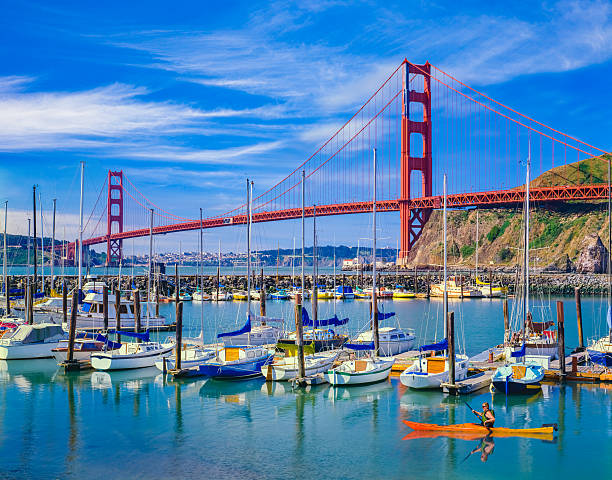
(497, 231)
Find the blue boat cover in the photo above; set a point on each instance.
(520, 353)
(142, 336)
(109, 343)
(384, 316)
(333, 322)
(360, 346)
(609, 317)
(86, 307)
(443, 345)
(345, 289)
(245, 329)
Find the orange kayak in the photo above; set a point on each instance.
(466, 430)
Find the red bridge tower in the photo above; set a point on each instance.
(413, 220)
(114, 219)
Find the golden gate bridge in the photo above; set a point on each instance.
(423, 123)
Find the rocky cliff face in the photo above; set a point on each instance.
(564, 237)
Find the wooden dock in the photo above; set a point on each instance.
(469, 385)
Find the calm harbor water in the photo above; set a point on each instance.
(137, 424)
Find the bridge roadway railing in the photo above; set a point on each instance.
(492, 198)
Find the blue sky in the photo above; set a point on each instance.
(190, 98)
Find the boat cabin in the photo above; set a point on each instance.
(231, 354)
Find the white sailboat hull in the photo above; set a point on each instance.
(25, 352)
(115, 360)
(338, 377)
(289, 370)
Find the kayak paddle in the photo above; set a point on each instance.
(468, 405)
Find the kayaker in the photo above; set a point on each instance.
(487, 416)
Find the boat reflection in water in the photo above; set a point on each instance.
(131, 380)
(238, 393)
(365, 393)
(27, 373)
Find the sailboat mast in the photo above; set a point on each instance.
(42, 247)
(477, 242)
(334, 288)
(35, 244)
(202, 278)
(80, 252)
(315, 297)
(149, 271)
(609, 253)
(4, 261)
(303, 235)
(293, 264)
(526, 252)
(249, 193)
(445, 301)
(374, 305)
(53, 245)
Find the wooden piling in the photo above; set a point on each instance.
(262, 294)
(218, 281)
(105, 307)
(72, 330)
(7, 295)
(64, 303)
(179, 334)
(579, 318)
(118, 312)
(31, 292)
(506, 322)
(451, 346)
(299, 335)
(176, 284)
(561, 337)
(156, 301)
(136, 297)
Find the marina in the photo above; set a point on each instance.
(260, 241)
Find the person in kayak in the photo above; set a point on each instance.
(487, 416)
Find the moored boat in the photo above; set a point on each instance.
(235, 362)
(360, 371)
(132, 354)
(286, 368)
(31, 341)
(518, 378)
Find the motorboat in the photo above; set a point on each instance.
(31, 341)
(455, 289)
(91, 315)
(401, 293)
(392, 340)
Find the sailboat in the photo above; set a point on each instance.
(286, 368)
(432, 371)
(600, 351)
(135, 354)
(372, 368)
(518, 376)
(31, 341)
(192, 351)
(242, 360)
